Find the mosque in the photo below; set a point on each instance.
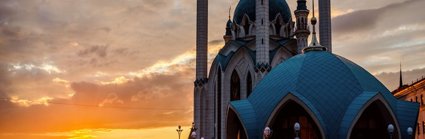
(268, 82)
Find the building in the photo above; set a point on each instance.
(414, 92)
(266, 75)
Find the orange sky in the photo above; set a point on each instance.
(125, 69)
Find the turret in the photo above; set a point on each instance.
(229, 35)
(302, 32)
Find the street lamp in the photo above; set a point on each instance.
(410, 132)
(297, 128)
(390, 130)
(267, 132)
(179, 130)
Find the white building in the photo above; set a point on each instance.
(261, 35)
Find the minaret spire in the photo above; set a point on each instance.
(401, 77)
(262, 38)
(201, 42)
(230, 9)
(325, 29)
(314, 45)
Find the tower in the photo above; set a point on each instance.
(325, 27)
(262, 38)
(201, 65)
(228, 35)
(301, 32)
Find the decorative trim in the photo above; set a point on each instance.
(262, 67)
(200, 82)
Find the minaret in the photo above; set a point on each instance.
(301, 32)
(262, 38)
(325, 27)
(201, 39)
(401, 77)
(201, 66)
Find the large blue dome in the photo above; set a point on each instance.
(332, 87)
(275, 7)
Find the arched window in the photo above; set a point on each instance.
(235, 89)
(235, 129)
(373, 123)
(284, 120)
(248, 85)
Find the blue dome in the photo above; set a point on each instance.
(275, 7)
(333, 88)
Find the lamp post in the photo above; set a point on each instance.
(267, 132)
(410, 132)
(390, 130)
(297, 128)
(179, 130)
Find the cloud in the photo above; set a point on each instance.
(379, 38)
(386, 17)
(99, 50)
(391, 79)
(130, 64)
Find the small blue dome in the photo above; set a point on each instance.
(275, 7)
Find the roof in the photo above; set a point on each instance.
(248, 7)
(331, 86)
(226, 53)
(407, 89)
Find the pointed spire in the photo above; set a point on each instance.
(314, 41)
(230, 9)
(401, 77)
(314, 45)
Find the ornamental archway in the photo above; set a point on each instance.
(373, 123)
(287, 115)
(235, 130)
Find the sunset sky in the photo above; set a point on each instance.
(112, 69)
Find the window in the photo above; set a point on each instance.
(422, 103)
(248, 85)
(235, 91)
(418, 128)
(416, 99)
(262, 2)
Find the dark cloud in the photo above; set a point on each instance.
(99, 50)
(216, 42)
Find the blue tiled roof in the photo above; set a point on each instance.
(332, 87)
